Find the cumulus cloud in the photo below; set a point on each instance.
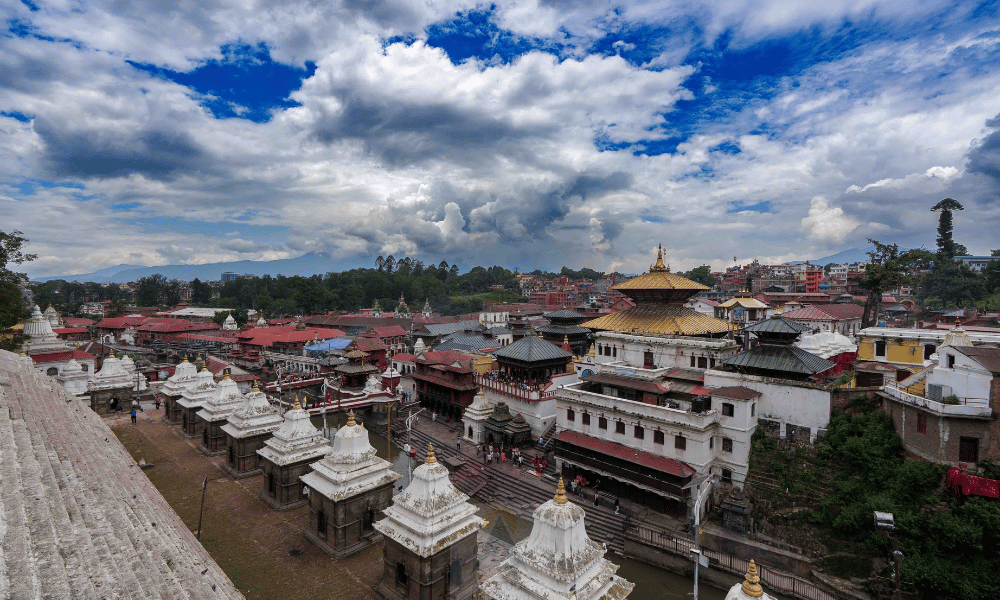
(827, 223)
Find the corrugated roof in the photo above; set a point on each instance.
(777, 324)
(446, 328)
(499, 331)
(532, 349)
(663, 319)
(639, 457)
(826, 312)
(562, 329)
(744, 302)
(787, 359)
(660, 280)
(563, 314)
(988, 357)
(468, 342)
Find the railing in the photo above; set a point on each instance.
(967, 406)
(516, 390)
(785, 583)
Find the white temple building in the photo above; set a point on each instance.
(215, 414)
(474, 418)
(110, 388)
(41, 337)
(347, 488)
(230, 323)
(73, 378)
(193, 399)
(558, 561)
(54, 319)
(128, 365)
(247, 427)
(184, 378)
(750, 588)
(286, 456)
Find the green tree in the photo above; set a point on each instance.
(201, 292)
(12, 309)
(953, 283)
(945, 242)
(702, 275)
(888, 268)
(11, 252)
(150, 290)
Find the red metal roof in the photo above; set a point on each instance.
(446, 358)
(68, 330)
(77, 322)
(368, 344)
(388, 331)
(49, 357)
(120, 322)
(735, 391)
(826, 312)
(639, 457)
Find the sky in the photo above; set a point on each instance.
(523, 133)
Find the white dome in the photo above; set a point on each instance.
(826, 344)
(72, 366)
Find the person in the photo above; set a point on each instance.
(605, 544)
(132, 413)
(434, 417)
(572, 487)
(458, 443)
(617, 504)
(157, 402)
(503, 457)
(597, 497)
(541, 441)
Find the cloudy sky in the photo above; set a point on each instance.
(526, 133)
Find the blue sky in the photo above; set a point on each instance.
(529, 133)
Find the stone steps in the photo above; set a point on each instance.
(79, 515)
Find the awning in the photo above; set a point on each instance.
(622, 452)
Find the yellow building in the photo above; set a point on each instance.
(907, 350)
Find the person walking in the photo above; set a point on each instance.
(157, 402)
(617, 504)
(572, 487)
(132, 413)
(458, 443)
(597, 497)
(503, 457)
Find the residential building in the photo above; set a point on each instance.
(445, 381)
(977, 263)
(844, 319)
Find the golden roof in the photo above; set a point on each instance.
(662, 319)
(430, 454)
(356, 354)
(350, 419)
(659, 278)
(744, 302)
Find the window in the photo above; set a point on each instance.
(570, 415)
(727, 444)
(728, 409)
(711, 442)
(85, 367)
(602, 422)
(614, 351)
(401, 577)
(727, 475)
(321, 522)
(951, 361)
(585, 418)
(921, 423)
(692, 361)
(620, 427)
(880, 349)
(702, 362)
(753, 409)
(928, 350)
(679, 442)
(711, 362)
(52, 372)
(639, 432)
(647, 360)
(968, 449)
(657, 437)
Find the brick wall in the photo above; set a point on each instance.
(940, 442)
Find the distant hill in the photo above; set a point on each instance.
(852, 255)
(313, 263)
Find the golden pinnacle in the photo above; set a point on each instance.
(560, 493)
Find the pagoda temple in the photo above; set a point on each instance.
(659, 309)
(193, 399)
(430, 531)
(287, 455)
(347, 490)
(775, 356)
(558, 560)
(215, 414)
(110, 388)
(182, 379)
(247, 427)
(564, 325)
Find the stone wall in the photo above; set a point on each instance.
(348, 522)
(942, 435)
(432, 578)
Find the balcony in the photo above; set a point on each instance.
(671, 416)
(967, 407)
(515, 390)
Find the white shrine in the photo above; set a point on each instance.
(193, 399)
(286, 456)
(247, 427)
(430, 538)
(184, 377)
(54, 319)
(110, 388)
(139, 381)
(474, 418)
(215, 414)
(558, 560)
(73, 378)
(750, 588)
(230, 323)
(347, 489)
(42, 339)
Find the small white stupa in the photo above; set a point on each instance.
(128, 365)
(230, 323)
(475, 417)
(261, 322)
(194, 398)
(350, 481)
(73, 378)
(750, 588)
(558, 560)
(286, 456)
(957, 337)
(427, 312)
(41, 337)
(826, 344)
(54, 319)
(250, 423)
(111, 375)
(182, 379)
(419, 347)
(215, 413)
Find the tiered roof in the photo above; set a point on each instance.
(296, 440)
(532, 349)
(351, 468)
(430, 514)
(254, 416)
(227, 398)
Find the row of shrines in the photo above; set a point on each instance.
(430, 530)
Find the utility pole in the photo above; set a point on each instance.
(201, 511)
(696, 551)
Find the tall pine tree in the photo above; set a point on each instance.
(945, 242)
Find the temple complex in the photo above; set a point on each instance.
(347, 490)
(247, 427)
(193, 399)
(558, 560)
(182, 379)
(430, 534)
(215, 414)
(110, 388)
(287, 455)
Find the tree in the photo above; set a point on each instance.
(953, 283)
(11, 303)
(380, 262)
(946, 245)
(888, 268)
(390, 262)
(201, 292)
(10, 252)
(702, 275)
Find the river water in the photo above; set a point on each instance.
(651, 583)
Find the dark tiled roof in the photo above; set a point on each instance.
(532, 349)
(446, 328)
(788, 359)
(562, 329)
(499, 331)
(564, 314)
(778, 324)
(736, 391)
(988, 357)
(467, 342)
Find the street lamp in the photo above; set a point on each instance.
(700, 560)
(886, 523)
(409, 454)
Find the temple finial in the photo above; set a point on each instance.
(751, 584)
(297, 405)
(659, 266)
(560, 493)
(430, 454)
(350, 419)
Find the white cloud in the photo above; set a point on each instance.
(827, 223)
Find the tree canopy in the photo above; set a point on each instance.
(702, 275)
(11, 303)
(887, 269)
(945, 242)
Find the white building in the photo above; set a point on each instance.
(558, 561)
(73, 378)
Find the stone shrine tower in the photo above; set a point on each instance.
(287, 455)
(41, 337)
(194, 399)
(182, 379)
(347, 490)
(111, 387)
(248, 426)
(215, 413)
(73, 378)
(558, 560)
(430, 534)
(474, 419)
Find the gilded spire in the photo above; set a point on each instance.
(350, 419)
(297, 405)
(751, 585)
(185, 358)
(430, 454)
(592, 352)
(560, 493)
(659, 266)
(256, 387)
